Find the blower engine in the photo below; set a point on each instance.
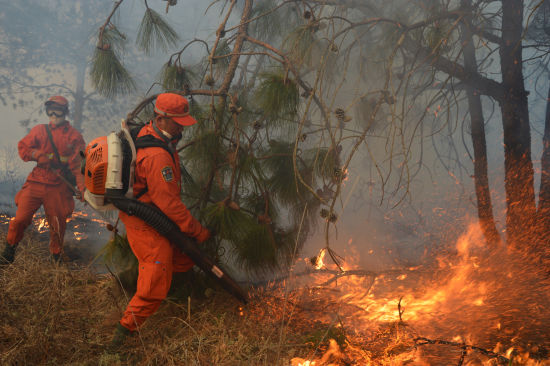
(109, 178)
(108, 170)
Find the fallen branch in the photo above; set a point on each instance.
(420, 341)
(337, 274)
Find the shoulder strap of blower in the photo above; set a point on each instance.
(67, 174)
(145, 142)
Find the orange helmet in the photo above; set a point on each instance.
(174, 106)
(57, 102)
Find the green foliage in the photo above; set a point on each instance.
(253, 245)
(175, 77)
(282, 181)
(155, 33)
(117, 252)
(114, 38)
(108, 75)
(205, 152)
(323, 161)
(228, 223)
(268, 26)
(248, 167)
(257, 250)
(302, 44)
(256, 203)
(278, 96)
(220, 61)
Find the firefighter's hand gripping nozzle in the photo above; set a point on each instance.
(109, 174)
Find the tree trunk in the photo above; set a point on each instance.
(79, 96)
(518, 167)
(543, 213)
(481, 178)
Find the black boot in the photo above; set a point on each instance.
(119, 338)
(8, 254)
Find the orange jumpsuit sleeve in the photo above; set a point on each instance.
(164, 191)
(30, 145)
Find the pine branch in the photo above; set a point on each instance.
(485, 85)
(107, 22)
(155, 33)
(108, 75)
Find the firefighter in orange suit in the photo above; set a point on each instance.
(157, 182)
(44, 185)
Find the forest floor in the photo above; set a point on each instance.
(65, 314)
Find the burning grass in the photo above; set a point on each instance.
(470, 307)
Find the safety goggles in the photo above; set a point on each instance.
(53, 112)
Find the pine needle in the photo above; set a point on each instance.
(176, 77)
(301, 43)
(113, 37)
(155, 33)
(108, 75)
(278, 96)
(229, 224)
(282, 180)
(257, 251)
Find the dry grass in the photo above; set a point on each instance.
(65, 314)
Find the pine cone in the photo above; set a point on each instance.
(340, 114)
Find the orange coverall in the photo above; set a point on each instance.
(158, 259)
(43, 186)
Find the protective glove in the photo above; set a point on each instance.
(42, 158)
(204, 235)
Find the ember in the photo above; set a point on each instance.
(79, 225)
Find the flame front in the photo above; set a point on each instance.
(491, 299)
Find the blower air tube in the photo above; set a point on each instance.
(166, 227)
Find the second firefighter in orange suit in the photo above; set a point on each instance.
(44, 185)
(158, 174)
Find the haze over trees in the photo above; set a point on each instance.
(313, 85)
(45, 51)
(295, 96)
